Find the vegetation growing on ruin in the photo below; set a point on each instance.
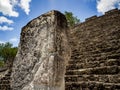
(71, 19)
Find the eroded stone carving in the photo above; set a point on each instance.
(42, 55)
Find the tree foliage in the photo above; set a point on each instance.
(7, 52)
(71, 19)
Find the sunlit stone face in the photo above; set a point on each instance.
(42, 55)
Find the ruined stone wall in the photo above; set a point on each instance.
(44, 51)
(95, 60)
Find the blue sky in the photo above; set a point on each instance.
(14, 14)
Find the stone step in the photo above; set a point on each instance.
(107, 49)
(7, 75)
(75, 61)
(91, 86)
(110, 53)
(95, 57)
(5, 82)
(5, 87)
(97, 70)
(100, 78)
(78, 65)
(76, 57)
(3, 69)
(89, 58)
(114, 56)
(6, 78)
(110, 49)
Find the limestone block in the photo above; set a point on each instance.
(42, 54)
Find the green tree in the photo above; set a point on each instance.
(7, 52)
(72, 20)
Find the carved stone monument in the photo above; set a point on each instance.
(42, 54)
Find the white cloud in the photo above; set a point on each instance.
(7, 8)
(13, 39)
(5, 28)
(105, 5)
(25, 5)
(14, 2)
(5, 20)
(2, 42)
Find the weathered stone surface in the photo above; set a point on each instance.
(95, 57)
(42, 54)
(5, 79)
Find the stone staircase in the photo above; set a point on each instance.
(94, 63)
(92, 75)
(95, 56)
(5, 81)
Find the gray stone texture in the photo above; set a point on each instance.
(95, 58)
(42, 54)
